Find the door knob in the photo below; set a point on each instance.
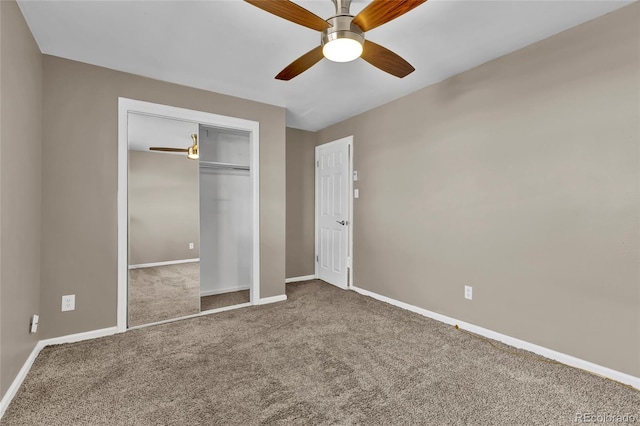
(342, 222)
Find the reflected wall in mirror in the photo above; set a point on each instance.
(164, 224)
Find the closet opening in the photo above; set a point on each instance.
(188, 213)
(225, 217)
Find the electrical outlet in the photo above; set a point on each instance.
(468, 292)
(34, 323)
(356, 193)
(190, 246)
(69, 302)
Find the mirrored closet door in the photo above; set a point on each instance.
(189, 209)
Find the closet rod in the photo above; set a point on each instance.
(217, 165)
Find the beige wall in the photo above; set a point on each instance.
(20, 189)
(164, 207)
(2, 387)
(300, 202)
(79, 244)
(521, 179)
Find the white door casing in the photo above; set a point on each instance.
(333, 218)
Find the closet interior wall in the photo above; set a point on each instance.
(225, 211)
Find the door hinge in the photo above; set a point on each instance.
(317, 258)
(318, 163)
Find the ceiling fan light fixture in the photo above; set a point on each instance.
(192, 152)
(342, 50)
(343, 42)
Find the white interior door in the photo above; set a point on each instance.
(332, 211)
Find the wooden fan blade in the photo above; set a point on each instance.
(155, 148)
(384, 59)
(291, 12)
(380, 12)
(301, 64)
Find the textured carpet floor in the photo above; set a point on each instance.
(325, 356)
(163, 292)
(172, 291)
(223, 300)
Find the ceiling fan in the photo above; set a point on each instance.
(192, 151)
(343, 34)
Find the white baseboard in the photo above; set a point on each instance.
(17, 382)
(168, 262)
(223, 290)
(22, 374)
(512, 341)
(78, 337)
(272, 299)
(297, 279)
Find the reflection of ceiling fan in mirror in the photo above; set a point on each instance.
(192, 151)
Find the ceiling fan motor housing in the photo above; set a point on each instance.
(342, 26)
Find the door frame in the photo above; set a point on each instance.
(349, 260)
(125, 106)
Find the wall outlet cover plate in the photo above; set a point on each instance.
(68, 302)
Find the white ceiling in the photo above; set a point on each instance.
(231, 47)
(146, 131)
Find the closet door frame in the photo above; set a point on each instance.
(126, 106)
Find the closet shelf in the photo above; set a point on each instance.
(218, 165)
